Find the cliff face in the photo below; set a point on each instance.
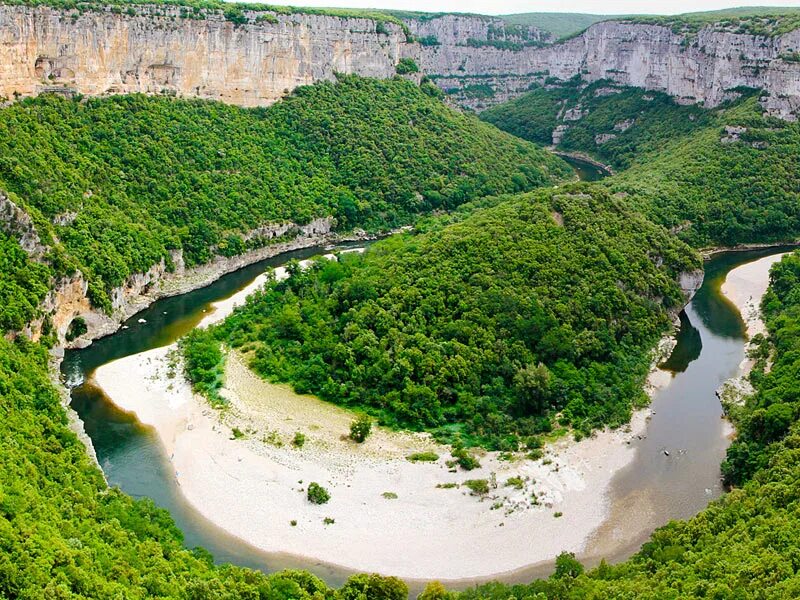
(481, 60)
(706, 67)
(462, 30)
(252, 64)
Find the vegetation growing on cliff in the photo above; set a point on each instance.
(733, 181)
(236, 12)
(757, 20)
(122, 181)
(23, 285)
(543, 304)
(634, 121)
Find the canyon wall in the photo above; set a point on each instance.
(261, 56)
(155, 50)
(704, 67)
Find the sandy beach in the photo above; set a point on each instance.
(392, 516)
(745, 286)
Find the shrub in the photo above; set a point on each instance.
(515, 482)
(360, 428)
(76, 329)
(479, 487)
(389, 495)
(237, 433)
(465, 460)
(299, 440)
(406, 66)
(423, 457)
(317, 494)
(328, 521)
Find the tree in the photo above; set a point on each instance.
(360, 428)
(567, 566)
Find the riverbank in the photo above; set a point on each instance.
(745, 287)
(252, 485)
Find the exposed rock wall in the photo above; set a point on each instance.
(69, 299)
(157, 50)
(706, 67)
(95, 53)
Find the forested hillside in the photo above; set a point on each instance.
(745, 544)
(544, 304)
(112, 185)
(63, 533)
(714, 177)
(120, 181)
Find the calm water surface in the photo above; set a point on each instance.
(653, 489)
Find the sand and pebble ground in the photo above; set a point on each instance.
(414, 520)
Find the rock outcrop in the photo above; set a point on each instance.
(69, 299)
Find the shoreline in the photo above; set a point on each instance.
(425, 533)
(744, 287)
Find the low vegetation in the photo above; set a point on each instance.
(360, 428)
(478, 487)
(423, 457)
(317, 494)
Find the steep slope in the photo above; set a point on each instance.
(561, 25)
(544, 304)
(715, 177)
(615, 124)
(252, 55)
(743, 545)
(733, 181)
(129, 183)
(701, 62)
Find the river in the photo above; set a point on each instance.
(655, 488)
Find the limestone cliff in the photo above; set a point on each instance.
(706, 66)
(263, 56)
(69, 298)
(155, 50)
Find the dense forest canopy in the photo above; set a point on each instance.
(744, 545)
(506, 317)
(714, 177)
(121, 181)
(542, 305)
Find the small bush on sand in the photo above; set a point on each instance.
(317, 494)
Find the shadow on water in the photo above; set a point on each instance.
(653, 489)
(585, 170)
(688, 347)
(130, 453)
